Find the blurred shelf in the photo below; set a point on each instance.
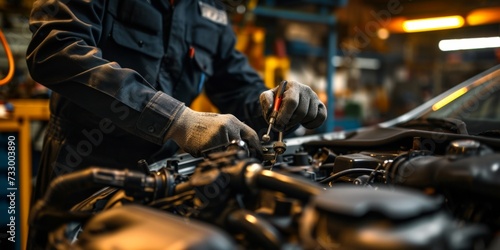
(294, 15)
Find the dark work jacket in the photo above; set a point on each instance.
(121, 70)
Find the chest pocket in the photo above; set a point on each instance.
(204, 61)
(137, 26)
(204, 36)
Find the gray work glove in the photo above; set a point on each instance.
(300, 105)
(197, 131)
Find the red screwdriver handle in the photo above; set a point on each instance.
(278, 98)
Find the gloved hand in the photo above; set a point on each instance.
(300, 105)
(197, 131)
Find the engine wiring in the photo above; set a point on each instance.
(10, 59)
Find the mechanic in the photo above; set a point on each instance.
(124, 72)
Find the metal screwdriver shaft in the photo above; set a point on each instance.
(276, 106)
(279, 147)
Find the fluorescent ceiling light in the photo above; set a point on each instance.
(469, 43)
(435, 23)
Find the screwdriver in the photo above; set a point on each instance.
(276, 106)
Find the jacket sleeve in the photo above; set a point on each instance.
(63, 55)
(235, 86)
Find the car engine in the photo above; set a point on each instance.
(381, 188)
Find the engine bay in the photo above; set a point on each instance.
(377, 188)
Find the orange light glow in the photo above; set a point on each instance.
(484, 16)
(435, 23)
(383, 33)
(396, 25)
